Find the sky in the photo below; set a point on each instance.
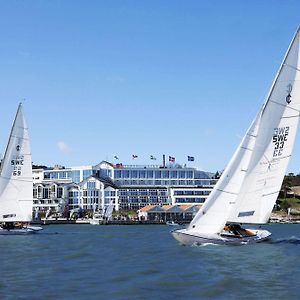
(105, 78)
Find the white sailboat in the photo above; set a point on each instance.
(102, 216)
(16, 183)
(249, 186)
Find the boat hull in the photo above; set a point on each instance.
(20, 231)
(190, 238)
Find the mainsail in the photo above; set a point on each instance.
(274, 143)
(16, 199)
(249, 186)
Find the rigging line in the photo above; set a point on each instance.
(280, 158)
(264, 195)
(252, 135)
(280, 104)
(289, 117)
(269, 161)
(19, 137)
(222, 191)
(291, 67)
(245, 148)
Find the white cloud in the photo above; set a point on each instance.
(63, 147)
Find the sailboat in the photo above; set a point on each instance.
(16, 183)
(102, 216)
(249, 185)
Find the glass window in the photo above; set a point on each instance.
(91, 185)
(181, 174)
(75, 175)
(87, 173)
(165, 174)
(149, 174)
(173, 174)
(157, 174)
(125, 173)
(117, 173)
(59, 192)
(142, 174)
(189, 174)
(133, 173)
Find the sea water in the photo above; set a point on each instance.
(145, 262)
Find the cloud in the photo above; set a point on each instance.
(63, 147)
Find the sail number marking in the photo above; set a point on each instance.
(279, 138)
(17, 163)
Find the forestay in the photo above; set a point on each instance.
(16, 198)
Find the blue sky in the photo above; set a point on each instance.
(105, 78)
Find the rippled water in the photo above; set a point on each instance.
(145, 262)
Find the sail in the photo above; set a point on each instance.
(213, 215)
(274, 144)
(16, 199)
(249, 186)
(108, 211)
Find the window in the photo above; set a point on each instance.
(181, 174)
(157, 174)
(142, 174)
(133, 174)
(46, 193)
(117, 173)
(75, 175)
(149, 174)
(59, 192)
(125, 173)
(91, 185)
(189, 174)
(173, 174)
(165, 174)
(87, 173)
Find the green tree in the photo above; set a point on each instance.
(286, 186)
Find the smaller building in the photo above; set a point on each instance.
(183, 213)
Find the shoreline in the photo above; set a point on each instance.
(62, 221)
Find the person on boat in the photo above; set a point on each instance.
(234, 229)
(8, 225)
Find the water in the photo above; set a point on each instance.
(145, 262)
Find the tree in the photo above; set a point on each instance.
(286, 186)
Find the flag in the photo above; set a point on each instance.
(171, 159)
(116, 157)
(134, 156)
(191, 158)
(152, 157)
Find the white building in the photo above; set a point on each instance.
(127, 186)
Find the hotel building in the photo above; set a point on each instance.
(127, 186)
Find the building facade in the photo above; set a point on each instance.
(126, 186)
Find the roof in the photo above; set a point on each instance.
(172, 208)
(105, 180)
(185, 206)
(146, 208)
(152, 208)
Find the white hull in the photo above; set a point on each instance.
(172, 224)
(190, 238)
(20, 231)
(96, 221)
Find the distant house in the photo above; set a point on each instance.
(183, 213)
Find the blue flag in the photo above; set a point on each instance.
(191, 158)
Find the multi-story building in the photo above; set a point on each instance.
(127, 186)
